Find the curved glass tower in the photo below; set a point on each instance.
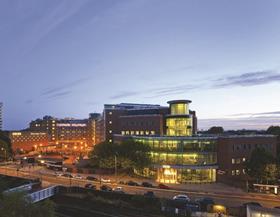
(178, 156)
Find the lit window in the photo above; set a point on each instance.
(233, 161)
(110, 113)
(123, 133)
(131, 132)
(238, 161)
(110, 122)
(237, 172)
(110, 131)
(141, 132)
(127, 132)
(243, 159)
(233, 172)
(147, 132)
(244, 171)
(110, 140)
(153, 132)
(137, 132)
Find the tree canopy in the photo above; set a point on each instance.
(216, 130)
(274, 130)
(17, 204)
(5, 143)
(262, 166)
(129, 155)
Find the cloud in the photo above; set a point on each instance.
(69, 85)
(124, 94)
(247, 79)
(259, 123)
(59, 94)
(241, 80)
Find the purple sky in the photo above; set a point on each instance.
(67, 58)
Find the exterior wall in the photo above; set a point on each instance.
(233, 151)
(129, 118)
(28, 141)
(142, 124)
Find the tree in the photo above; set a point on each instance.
(216, 130)
(18, 204)
(129, 154)
(274, 130)
(5, 145)
(261, 165)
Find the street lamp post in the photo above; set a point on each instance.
(116, 168)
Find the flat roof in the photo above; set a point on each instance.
(179, 101)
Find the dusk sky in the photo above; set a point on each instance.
(66, 58)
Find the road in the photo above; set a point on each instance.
(229, 200)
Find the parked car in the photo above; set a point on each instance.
(118, 190)
(132, 183)
(277, 207)
(149, 194)
(67, 175)
(105, 180)
(91, 178)
(78, 176)
(252, 204)
(90, 186)
(182, 197)
(162, 186)
(205, 202)
(147, 184)
(105, 188)
(58, 174)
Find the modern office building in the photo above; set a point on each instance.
(180, 156)
(1, 120)
(139, 119)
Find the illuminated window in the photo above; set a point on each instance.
(110, 140)
(131, 132)
(233, 172)
(137, 132)
(243, 159)
(238, 161)
(110, 122)
(110, 113)
(237, 172)
(126, 132)
(153, 132)
(179, 109)
(110, 131)
(141, 132)
(244, 171)
(233, 161)
(147, 132)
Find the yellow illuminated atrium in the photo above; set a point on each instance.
(179, 156)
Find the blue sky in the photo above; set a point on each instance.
(67, 58)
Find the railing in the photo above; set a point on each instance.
(43, 194)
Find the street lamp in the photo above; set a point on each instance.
(3, 149)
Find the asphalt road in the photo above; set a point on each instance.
(229, 200)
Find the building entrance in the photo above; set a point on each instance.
(167, 175)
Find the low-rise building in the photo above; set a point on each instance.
(23, 141)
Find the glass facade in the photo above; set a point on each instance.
(179, 126)
(179, 109)
(182, 159)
